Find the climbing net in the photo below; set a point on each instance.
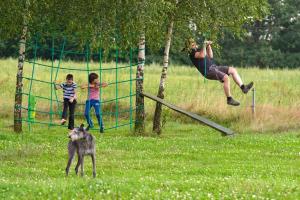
(45, 103)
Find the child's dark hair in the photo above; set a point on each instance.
(92, 77)
(69, 77)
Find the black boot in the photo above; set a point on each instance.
(246, 88)
(232, 102)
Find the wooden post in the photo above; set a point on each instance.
(19, 84)
(140, 107)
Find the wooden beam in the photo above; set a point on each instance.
(223, 130)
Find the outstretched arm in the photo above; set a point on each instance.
(84, 86)
(57, 86)
(104, 84)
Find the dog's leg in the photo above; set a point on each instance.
(68, 165)
(94, 166)
(77, 165)
(71, 152)
(82, 160)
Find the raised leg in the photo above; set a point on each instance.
(94, 166)
(236, 77)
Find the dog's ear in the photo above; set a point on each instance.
(81, 127)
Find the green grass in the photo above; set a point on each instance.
(188, 161)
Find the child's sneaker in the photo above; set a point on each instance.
(101, 130)
(246, 88)
(63, 121)
(231, 101)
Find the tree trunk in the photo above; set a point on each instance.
(158, 109)
(19, 84)
(140, 108)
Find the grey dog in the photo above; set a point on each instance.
(84, 144)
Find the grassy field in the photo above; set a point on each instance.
(188, 161)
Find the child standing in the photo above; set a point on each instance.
(69, 97)
(94, 100)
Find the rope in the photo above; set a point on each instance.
(81, 114)
(54, 70)
(76, 69)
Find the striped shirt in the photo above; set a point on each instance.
(68, 90)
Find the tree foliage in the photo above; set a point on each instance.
(272, 42)
(235, 25)
(115, 22)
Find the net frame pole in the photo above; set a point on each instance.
(100, 80)
(88, 74)
(30, 85)
(57, 70)
(130, 90)
(51, 80)
(116, 75)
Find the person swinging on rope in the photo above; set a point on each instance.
(202, 59)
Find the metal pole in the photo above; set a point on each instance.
(253, 102)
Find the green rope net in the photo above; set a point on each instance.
(45, 103)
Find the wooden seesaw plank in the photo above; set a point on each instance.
(223, 130)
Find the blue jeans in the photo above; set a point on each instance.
(97, 106)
